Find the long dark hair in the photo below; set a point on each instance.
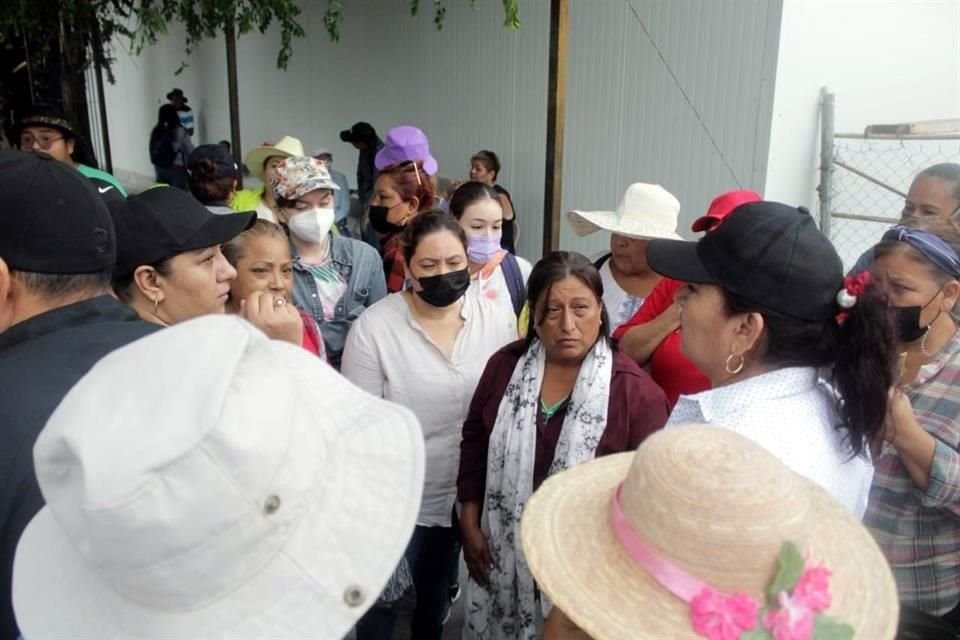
(860, 352)
(552, 269)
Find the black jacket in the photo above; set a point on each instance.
(40, 360)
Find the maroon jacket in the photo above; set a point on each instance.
(638, 407)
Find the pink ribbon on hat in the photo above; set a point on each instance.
(717, 615)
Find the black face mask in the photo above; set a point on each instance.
(909, 328)
(445, 289)
(379, 222)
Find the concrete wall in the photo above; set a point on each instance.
(886, 62)
(475, 85)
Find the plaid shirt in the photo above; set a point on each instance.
(919, 531)
(393, 263)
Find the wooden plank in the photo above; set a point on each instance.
(556, 111)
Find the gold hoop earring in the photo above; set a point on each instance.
(735, 370)
(156, 305)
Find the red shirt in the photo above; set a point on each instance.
(393, 262)
(637, 408)
(669, 368)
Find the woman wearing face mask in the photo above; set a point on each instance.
(768, 317)
(425, 348)
(261, 256)
(915, 498)
(169, 264)
(561, 397)
(495, 273)
(335, 278)
(402, 191)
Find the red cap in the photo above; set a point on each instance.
(722, 206)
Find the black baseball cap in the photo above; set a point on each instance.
(769, 254)
(52, 220)
(359, 132)
(216, 153)
(163, 222)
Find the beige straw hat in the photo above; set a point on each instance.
(286, 147)
(712, 503)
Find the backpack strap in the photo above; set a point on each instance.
(602, 260)
(515, 284)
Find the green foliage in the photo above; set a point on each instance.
(84, 31)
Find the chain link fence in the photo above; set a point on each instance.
(864, 179)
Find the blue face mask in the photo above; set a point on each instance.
(481, 249)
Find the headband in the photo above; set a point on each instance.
(930, 245)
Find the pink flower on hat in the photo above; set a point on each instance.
(813, 588)
(792, 621)
(721, 617)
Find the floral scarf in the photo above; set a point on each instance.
(506, 608)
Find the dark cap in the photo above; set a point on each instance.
(769, 254)
(176, 93)
(52, 220)
(163, 222)
(359, 132)
(44, 116)
(219, 155)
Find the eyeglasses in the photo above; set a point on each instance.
(27, 141)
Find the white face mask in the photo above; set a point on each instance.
(312, 225)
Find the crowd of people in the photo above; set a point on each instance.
(255, 413)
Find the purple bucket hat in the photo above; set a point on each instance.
(406, 144)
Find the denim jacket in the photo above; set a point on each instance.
(360, 266)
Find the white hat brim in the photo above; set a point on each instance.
(256, 157)
(585, 223)
(357, 527)
(576, 560)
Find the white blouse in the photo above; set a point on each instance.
(389, 355)
(493, 285)
(620, 305)
(792, 413)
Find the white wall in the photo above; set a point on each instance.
(628, 120)
(475, 85)
(886, 62)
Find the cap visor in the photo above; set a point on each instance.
(346, 136)
(220, 229)
(678, 259)
(704, 223)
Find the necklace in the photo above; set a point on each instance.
(923, 343)
(549, 412)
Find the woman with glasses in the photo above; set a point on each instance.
(915, 498)
(49, 132)
(401, 192)
(335, 278)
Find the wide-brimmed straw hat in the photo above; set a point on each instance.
(710, 503)
(287, 146)
(646, 211)
(198, 486)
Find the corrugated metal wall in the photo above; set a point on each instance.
(627, 117)
(475, 85)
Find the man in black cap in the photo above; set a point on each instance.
(47, 131)
(57, 319)
(363, 137)
(184, 112)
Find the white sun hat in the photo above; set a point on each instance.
(652, 544)
(646, 211)
(207, 482)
